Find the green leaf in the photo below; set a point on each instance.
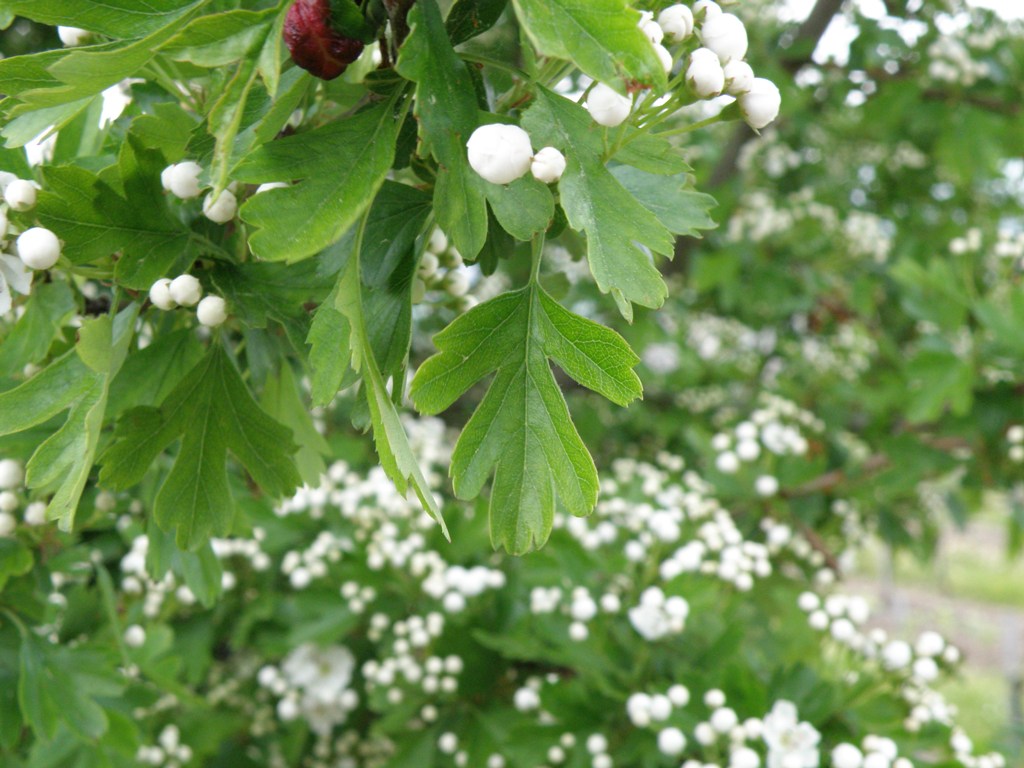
(86, 72)
(601, 37)
(47, 310)
(615, 222)
(329, 350)
(523, 208)
(671, 198)
(939, 379)
(95, 220)
(469, 18)
(212, 412)
(149, 375)
(259, 293)
(340, 167)
(222, 38)
(650, 153)
(461, 210)
(15, 559)
(522, 429)
(393, 449)
(79, 381)
(446, 110)
(282, 400)
(60, 684)
(114, 18)
(395, 220)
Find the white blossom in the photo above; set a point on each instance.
(607, 107)
(500, 153)
(760, 105)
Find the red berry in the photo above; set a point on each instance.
(315, 45)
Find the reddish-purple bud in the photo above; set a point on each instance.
(314, 43)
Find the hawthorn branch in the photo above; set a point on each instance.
(808, 34)
(806, 39)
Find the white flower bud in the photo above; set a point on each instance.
(653, 30)
(705, 74)
(677, 22)
(760, 105)
(664, 57)
(186, 290)
(183, 179)
(20, 195)
(709, 8)
(607, 107)
(744, 757)
(846, 755)
(6, 177)
(428, 265)
(38, 248)
(500, 153)
(671, 742)
(438, 242)
(7, 524)
(165, 177)
(8, 501)
(548, 165)
(212, 311)
(72, 36)
(456, 283)
(271, 185)
(11, 474)
(160, 294)
(766, 485)
(134, 636)
(221, 209)
(35, 513)
(725, 35)
(738, 77)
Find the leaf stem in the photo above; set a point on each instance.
(536, 253)
(692, 126)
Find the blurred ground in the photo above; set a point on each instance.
(974, 595)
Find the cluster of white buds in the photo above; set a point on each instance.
(187, 291)
(182, 181)
(718, 67)
(656, 34)
(12, 477)
(169, 753)
(37, 247)
(1015, 438)
(502, 153)
(314, 685)
(441, 269)
(658, 616)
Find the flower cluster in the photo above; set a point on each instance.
(183, 181)
(187, 291)
(502, 153)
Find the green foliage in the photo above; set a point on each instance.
(522, 429)
(297, 222)
(446, 111)
(212, 412)
(600, 37)
(841, 358)
(78, 382)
